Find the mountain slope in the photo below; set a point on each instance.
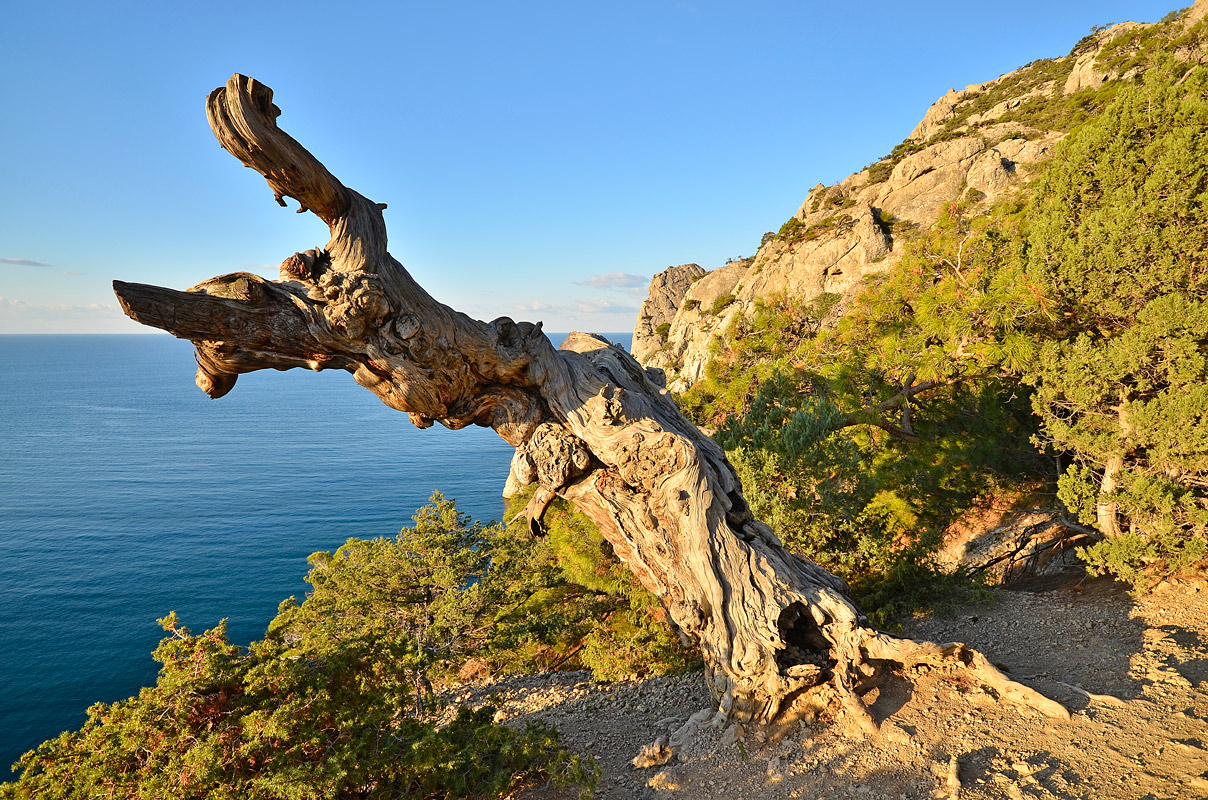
(974, 146)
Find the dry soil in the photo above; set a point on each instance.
(1133, 672)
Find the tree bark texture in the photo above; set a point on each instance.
(588, 423)
(1107, 510)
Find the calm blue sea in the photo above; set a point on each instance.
(126, 493)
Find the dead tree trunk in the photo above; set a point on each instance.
(587, 421)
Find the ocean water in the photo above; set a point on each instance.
(126, 493)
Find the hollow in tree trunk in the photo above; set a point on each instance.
(588, 423)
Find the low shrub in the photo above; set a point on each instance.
(720, 303)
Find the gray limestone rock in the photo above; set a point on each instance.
(990, 172)
(937, 156)
(1085, 74)
(833, 262)
(717, 283)
(1196, 13)
(943, 110)
(922, 183)
(695, 324)
(667, 290)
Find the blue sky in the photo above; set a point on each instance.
(541, 160)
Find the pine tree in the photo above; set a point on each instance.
(1119, 242)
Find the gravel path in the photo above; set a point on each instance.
(1134, 672)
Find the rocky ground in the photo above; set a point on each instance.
(1133, 672)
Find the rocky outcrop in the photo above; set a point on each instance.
(1196, 13)
(1006, 106)
(667, 289)
(706, 310)
(840, 235)
(921, 184)
(1085, 74)
(942, 111)
(841, 250)
(1026, 542)
(973, 146)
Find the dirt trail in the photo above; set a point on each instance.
(1134, 672)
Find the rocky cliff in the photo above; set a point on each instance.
(667, 291)
(973, 146)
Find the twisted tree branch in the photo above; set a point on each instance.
(588, 422)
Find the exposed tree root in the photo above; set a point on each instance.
(908, 653)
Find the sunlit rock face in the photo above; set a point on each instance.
(974, 146)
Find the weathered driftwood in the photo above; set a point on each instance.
(587, 421)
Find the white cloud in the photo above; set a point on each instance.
(616, 280)
(577, 308)
(598, 305)
(18, 316)
(22, 307)
(537, 305)
(22, 262)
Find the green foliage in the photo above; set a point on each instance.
(492, 598)
(804, 411)
(879, 172)
(1119, 216)
(791, 229)
(957, 307)
(720, 303)
(329, 704)
(620, 629)
(416, 583)
(824, 304)
(663, 329)
(753, 349)
(335, 700)
(866, 505)
(1027, 79)
(1135, 558)
(794, 230)
(460, 589)
(1119, 242)
(1144, 48)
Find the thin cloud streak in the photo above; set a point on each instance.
(10, 306)
(22, 262)
(19, 316)
(575, 308)
(537, 305)
(601, 306)
(615, 280)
